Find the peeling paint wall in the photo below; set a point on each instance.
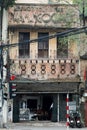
(31, 16)
(45, 1)
(32, 1)
(73, 48)
(64, 16)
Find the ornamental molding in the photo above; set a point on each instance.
(44, 15)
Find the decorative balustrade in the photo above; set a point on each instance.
(45, 69)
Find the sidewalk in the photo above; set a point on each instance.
(33, 123)
(38, 123)
(41, 125)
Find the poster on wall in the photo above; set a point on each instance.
(72, 106)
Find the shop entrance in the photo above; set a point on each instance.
(32, 104)
(47, 101)
(47, 106)
(36, 107)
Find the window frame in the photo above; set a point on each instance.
(43, 45)
(24, 49)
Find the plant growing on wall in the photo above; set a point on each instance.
(7, 3)
(82, 5)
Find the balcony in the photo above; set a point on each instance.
(46, 69)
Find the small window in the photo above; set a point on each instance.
(43, 46)
(62, 47)
(24, 48)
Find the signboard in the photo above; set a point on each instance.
(72, 106)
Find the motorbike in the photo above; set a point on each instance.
(72, 122)
(75, 120)
(78, 120)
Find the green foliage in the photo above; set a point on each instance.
(62, 49)
(82, 4)
(7, 3)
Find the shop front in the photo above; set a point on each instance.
(42, 101)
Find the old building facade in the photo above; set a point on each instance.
(46, 65)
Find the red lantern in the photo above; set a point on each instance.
(12, 77)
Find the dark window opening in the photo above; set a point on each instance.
(32, 104)
(43, 46)
(62, 47)
(47, 102)
(24, 48)
(70, 97)
(47, 107)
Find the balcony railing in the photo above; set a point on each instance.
(45, 69)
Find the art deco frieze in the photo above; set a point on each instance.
(44, 15)
(60, 69)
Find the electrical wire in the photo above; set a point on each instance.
(67, 33)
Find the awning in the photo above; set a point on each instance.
(47, 87)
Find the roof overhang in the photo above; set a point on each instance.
(30, 27)
(46, 87)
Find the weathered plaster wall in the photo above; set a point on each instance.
(52, 47)
(83, 43)
(61, 1)
(62, 16)
(32, 1)
(83, 68)
(23, 66)
(45, 16)
(73, 50)
(83, 52)
(33, 46)
(45, 1)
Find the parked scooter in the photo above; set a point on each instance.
(78, 120)
(72, 122)
(75, 120)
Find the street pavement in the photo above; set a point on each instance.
(39, 126)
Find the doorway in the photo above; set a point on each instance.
(47, 103)
(32, 104)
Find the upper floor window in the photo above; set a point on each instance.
(24, 48)
(43, 45)
(62, 47)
